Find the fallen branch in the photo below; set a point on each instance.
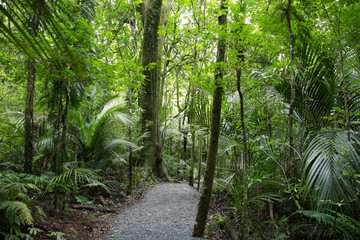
(76, 206)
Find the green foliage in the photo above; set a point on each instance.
(261, 191)
(15, 201)
(330, 164)
(58, 235)
(87, 55)
(84, 201)
(97, 142)
(74, 179)
(336, 225)
(315, 84)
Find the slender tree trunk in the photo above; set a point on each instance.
(185, 132)
(29, 117)
(292, 98)
(203, 208)
(192, 161)
(179, 112)
(199, 164)
(149, 92)
(63, 121)
(29, 105)
(192, 132)
(60, 129)
(246, 153)
(345, 90)
(130, 186)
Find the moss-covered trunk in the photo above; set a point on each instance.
(150, 89)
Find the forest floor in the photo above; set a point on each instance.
(167, 212)
(75, 224)
(163, 211)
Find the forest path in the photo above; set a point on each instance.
(167, 212)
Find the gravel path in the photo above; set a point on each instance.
(167, 212)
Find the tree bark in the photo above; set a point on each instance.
(130, 173)
(203, 208)
(179, 113)
(149, 92)
(192, 160)
(29, 105)
(292, 83)
(191, 117)
(199, 164)
(244, 206)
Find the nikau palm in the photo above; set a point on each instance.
(330, 162)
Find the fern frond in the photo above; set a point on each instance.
(84, 201)
(17, 209)
(318, 216)
(42, 213)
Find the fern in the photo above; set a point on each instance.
(318, 216)
(349, 226)
(58, 235)
(343, 224)
(84, 201)
(16, 213)
(15, 201)
(42, 214)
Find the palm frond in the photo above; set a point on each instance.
(18, 12)
(226, 143)
(328, 161)
(315, 84)
(73, 178)
(120, 142)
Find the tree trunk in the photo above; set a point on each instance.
(149, 92)
(158, 164)
(345, 90)
(199, 164)
(246, 151)
(203, 208)
(29, 105)
(130, 173)
(179, 112)
(292, 98)
(192, 161)
(191, 116)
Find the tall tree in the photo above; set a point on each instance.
(203, 208)
(292, 79)
(29, 105)
(241, 59)
(150, 89)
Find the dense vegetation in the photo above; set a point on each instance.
(98, 97)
